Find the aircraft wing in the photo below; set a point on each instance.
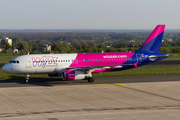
(87, 68)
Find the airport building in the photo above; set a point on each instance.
(6, 39)
(43, 47)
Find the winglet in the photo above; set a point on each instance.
(135, 64)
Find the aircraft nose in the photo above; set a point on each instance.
(5, 68)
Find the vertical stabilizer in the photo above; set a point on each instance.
(153, 42)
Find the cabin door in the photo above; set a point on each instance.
(139, 59)
(28, 62)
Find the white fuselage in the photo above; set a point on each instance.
(40, 63)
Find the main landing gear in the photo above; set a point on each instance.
(90, 79)
(27, 78)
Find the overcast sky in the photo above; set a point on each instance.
(89, 14)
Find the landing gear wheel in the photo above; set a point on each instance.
(90, 79)
(26, 81)
(27, 78)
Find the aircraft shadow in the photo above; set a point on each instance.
(38, 81)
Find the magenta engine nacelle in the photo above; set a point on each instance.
(74, 75)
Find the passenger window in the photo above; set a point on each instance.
(17, 61)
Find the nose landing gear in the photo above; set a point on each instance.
(27, 78)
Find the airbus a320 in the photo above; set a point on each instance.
(80, 66)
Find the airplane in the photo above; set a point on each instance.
(80, 66)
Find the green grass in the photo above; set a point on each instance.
(173, 56)
(6, 58)
(144, 70)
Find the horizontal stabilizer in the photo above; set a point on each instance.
(153, 57)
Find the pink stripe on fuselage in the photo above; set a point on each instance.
(101, 59)
(158, 30)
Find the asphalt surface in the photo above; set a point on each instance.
(98, 80)
(164, 62)
(153, 97)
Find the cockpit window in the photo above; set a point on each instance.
(14, 61)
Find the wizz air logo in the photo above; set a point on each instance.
(45, 61)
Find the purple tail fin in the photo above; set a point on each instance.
(153, 42)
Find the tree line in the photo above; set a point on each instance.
(71, 42)
(93, 47)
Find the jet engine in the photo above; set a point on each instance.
(74, 75)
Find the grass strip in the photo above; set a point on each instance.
(144, 70)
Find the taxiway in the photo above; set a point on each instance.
(108, 98)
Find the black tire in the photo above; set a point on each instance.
(26, 81)
(90, 79)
